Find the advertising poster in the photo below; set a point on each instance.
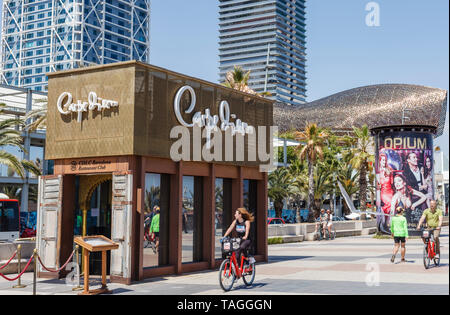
(405, 176)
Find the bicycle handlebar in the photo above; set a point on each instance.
(229, 238)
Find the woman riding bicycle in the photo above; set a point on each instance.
(242, 226)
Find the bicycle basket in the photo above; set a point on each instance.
(226, 246)
(426, 234)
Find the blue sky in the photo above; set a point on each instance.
(411, 45)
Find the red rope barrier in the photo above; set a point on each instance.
(50, 270)
(4, 266)
(25, 269)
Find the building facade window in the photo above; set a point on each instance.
(250, 203)
(223, 213)
(156, 220)
(192, 219)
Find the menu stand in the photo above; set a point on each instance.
(91, 244)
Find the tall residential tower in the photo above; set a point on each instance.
(40, 36)
(266, 37)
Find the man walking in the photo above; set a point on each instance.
(399, 230)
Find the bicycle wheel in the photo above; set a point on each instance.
(249, 277)
(437, 261)
(426, 258)
(226, 275)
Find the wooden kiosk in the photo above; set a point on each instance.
(91, 244)
(123, 139)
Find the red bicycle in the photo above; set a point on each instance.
(429, 250)
(230, 270)
(149, 239)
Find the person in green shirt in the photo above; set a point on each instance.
(154, 227)
(434, 219)
(399, 230)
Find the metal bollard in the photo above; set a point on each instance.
(35, 271)
(78, 287)
(19, 284)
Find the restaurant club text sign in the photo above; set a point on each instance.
(66, 106)
(90, 165)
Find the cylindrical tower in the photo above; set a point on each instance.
(404, 172)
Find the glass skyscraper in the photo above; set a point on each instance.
(40, 36)
(266, 37)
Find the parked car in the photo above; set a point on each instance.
(271, 221)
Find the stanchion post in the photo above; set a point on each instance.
(19, 284)
(77, 253)
(35, 271)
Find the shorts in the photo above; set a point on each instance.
(398, 240)
(436, 234)
(330, 224)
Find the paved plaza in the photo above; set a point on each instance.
(343, 266)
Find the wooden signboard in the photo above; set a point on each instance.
(91, 244)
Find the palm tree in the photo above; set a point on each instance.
(323, 183)
(361, 159)
(348, 177)
(10, 136)
(312, 151)
(12, 191)
(152, 198)
(37, 117)
(238, 80)
(279, 187)
(219, 198)
(349, 180)
(372, 185)
(15, 192)
(299, 186)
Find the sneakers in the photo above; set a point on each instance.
(393, 259)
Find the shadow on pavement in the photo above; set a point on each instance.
(52, 281)
(433, 266)
(252, 287)
(120, 290)
(273, 259)
(149, 280)
(405, 262)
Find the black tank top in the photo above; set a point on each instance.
(240, 229)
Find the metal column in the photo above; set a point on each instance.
(26, 155)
